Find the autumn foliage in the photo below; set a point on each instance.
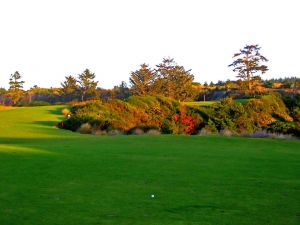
(171, 117)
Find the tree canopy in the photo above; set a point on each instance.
(248, 64)
(142, 80)
(176, 81)
(69, 88)
(87, 85)
(15, 90)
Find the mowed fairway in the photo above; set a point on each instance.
(55, 177)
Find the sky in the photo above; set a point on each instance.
(46, 40)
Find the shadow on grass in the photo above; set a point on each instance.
(47, 123)
(51, 123)
(57, 111)
(35, 146)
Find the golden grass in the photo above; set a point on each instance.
(3, 107)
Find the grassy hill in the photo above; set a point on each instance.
(52, 176)
(210, 103)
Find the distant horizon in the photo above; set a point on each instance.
(46, 41)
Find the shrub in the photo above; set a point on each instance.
(85, 129)
(205, 132)
(281, 127)
(153, 132)
(226, 132)
(99, 132)
(72, 123)
(66, 112)
(210, 127)
(114, 132)
(137, 131)
(260, 134)
(139, 114)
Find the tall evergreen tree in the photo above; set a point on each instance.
(87, 85)
(142, 81)
(248, 64)
(177, 82)
(15, 91)
(69, 88)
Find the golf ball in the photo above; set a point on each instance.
(152, 196)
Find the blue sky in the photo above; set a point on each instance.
(47, 40)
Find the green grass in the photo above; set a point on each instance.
(200, 103)
(242, 101)
(55, 177)
(209, 103)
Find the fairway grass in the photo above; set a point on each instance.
(50, 176)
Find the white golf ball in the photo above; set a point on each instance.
(152, 196)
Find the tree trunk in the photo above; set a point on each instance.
(248, 74)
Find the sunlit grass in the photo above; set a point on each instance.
(50, 176)
(200, 103)
(12, 149)
(210, 103)
(3, 107)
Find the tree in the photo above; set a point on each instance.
(87, 85)
(142, 81)
(2, 95)
(69, 88)
(248, 63)
(121, 91)
(15, 90)
(177, 82)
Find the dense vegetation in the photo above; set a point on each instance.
(168, 116)
(52, 176)
(158, 100)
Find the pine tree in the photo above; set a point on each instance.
(87, 85)
(69, 88)
(142, 81)
(15, 91)
(177, 82)
(247, 64)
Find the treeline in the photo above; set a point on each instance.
(167, 79)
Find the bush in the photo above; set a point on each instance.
(145, 113)
(153, 132)
(99, 132)
(281, 127)
(137, 131)
(139, 114)
(66, 112)
(210, 127)
(226, 132)
(72, 123)
(260, 134)
(205, 132)
(114, 132)
(85, 129)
